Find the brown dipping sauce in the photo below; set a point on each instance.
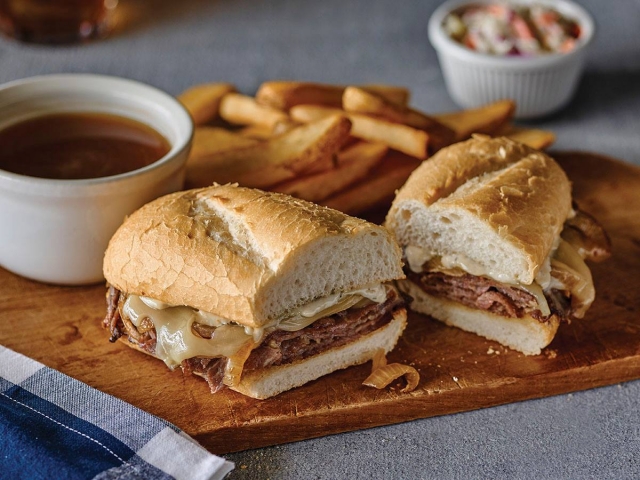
(70, 146)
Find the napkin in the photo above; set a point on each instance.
(52, 426)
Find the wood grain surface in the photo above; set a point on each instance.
(60, 327)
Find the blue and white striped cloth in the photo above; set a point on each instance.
(55, 427)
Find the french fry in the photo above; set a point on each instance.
(486, 119)
(243, 110)
(284, 94)
(377, 188)
(308, 148)
(397, 95)
(203, 101)
(538, 139)
(405, 139)
(352, 165)
(359, 100)
(258, 132)
(284, 126)
(207, 143)
(211, 140)
(263, 132)
(400, 137)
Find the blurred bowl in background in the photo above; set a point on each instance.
(56, 21)
(539, 84)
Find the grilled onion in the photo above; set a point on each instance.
(536, 290)
(587, 236)
(235, 364)
(299, 322)
(379, 360)
(383, 376)
(131, 329)
(570, 271)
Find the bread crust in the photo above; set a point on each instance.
(226, 249)
(524, 196)
(452, 166)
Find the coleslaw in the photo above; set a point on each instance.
(512, 30)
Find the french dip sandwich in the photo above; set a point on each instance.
(492, 243)
(259, 292)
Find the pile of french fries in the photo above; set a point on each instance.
(349, 148)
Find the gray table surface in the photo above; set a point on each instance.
(174, 44)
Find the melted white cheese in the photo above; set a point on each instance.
(543, 277)
(175, 340)
(418, 256)
(377, 294)
(155, 304)
(471, 266)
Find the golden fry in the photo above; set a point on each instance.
(352, 165)
(284, 94)
(308, 148)
(203, 101)
(405, 139)
(397, 95)
(212, 140)
(208, 142)
(258, 132)
(486, 119)
(359, 100)
(538, 139)
(377, 188)
(284, 126)
(243, 110)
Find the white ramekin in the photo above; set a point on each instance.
(56, 231)
(540, 85)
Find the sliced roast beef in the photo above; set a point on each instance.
(211, 369)
(278, 348)
(282, 347)
(486, 294)
(112, 321)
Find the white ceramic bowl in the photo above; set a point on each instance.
(540, 85)
(56, 231)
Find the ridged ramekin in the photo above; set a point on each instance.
(539, 85)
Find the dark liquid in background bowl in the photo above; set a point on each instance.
(56, 21)
(70, 146)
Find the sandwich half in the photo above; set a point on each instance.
(492, 243)
(255, 291)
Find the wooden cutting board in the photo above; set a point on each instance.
(459, 371)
